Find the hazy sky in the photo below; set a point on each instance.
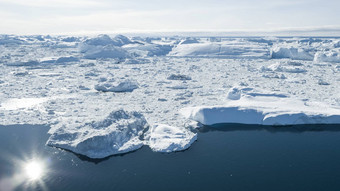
(104, 16)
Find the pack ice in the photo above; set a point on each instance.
(104, 95)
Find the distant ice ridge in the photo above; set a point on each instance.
(234, 49)
(264, 109)
(120, 132)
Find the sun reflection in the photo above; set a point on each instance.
(34, 170)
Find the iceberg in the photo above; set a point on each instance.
(265, 110)
(291, 52)
(109, 51)
(120, 132)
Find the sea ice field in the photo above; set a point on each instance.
(105, 95)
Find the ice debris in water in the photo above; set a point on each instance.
(120, 132)
(124, 86)
(179, 77)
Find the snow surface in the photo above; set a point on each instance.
(71, 83)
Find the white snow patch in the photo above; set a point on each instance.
(21, 103)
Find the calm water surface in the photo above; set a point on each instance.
(225, 157)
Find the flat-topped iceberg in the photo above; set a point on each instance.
(119, 132)
(265, 110)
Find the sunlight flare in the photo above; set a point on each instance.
(34, 170)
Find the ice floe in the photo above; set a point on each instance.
(165, 138)
(66, 83)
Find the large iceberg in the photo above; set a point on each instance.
(109, 51)
(265, 110)
(119, 132)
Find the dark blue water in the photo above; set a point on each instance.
(227, 157)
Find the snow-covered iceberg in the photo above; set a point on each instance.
(119, 132)
(265, 110)
(109, 51)
(290, 52)
(327, 56)
(221, 50)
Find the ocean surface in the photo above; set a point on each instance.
(225, 157)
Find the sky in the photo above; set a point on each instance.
(139, 16)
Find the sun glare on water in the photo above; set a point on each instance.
(34, 170)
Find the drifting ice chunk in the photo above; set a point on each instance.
(265, 110)
(94, 52)
(330, 56)
(290, 52)
(125, 86)
(120, 132)
(234, 93)
(67, 59)
(137, 61)
(164, 138)
(178, 77)
(28, 63)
